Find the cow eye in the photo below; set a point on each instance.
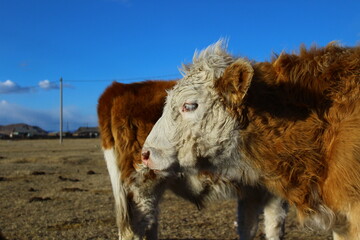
(189, 107)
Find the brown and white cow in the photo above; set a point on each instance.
(127, 112)
(292, 124)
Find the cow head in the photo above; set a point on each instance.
(198, 128)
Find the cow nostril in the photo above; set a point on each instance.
(145, 155)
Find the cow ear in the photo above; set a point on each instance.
(235, 82)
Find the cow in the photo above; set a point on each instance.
(127, 113)
(291, 124)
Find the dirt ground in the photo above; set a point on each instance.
(53, 191)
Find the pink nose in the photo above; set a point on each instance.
(145, 155)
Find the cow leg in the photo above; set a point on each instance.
(337, 236)
(247, 220)
(350, 227)
(136, 203)
(146, 194)
(250, 205)
(341, 232)
(256, 200)
(354, 221)
(120, 196)
(275, 212)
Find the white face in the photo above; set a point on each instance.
(195, 129)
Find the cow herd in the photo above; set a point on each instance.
(271, 134)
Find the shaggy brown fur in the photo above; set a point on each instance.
(126, 113)
(302, 128)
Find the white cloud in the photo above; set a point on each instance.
(3, 102)
(11, 113)
(11, 87)
(8, 83)
(47, 85)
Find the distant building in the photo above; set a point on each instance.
(57, 134)
(88, 132)
(21, 130)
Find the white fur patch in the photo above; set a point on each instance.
(274, 218)
(119, 192)
(110, 159)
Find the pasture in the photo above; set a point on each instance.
(53, 191)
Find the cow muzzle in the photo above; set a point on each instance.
(145, 156)
(158, 160)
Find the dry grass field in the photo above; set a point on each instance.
(53, 191)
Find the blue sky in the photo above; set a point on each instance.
(89, 43)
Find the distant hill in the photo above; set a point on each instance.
(22, 129)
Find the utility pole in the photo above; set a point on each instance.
(61, 111)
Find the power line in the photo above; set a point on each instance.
(127, 79)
